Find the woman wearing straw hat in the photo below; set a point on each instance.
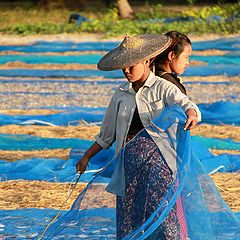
(132, 107)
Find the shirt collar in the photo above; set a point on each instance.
(148, 83)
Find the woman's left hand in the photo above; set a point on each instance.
(192, 119)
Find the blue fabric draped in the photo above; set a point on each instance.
(204, 212)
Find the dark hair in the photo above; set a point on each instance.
(179, 42)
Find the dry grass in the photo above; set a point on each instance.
(214, 52)
(229, 186)
(69, 53)
(19, 155)
(221, 151)
(88, 132)
(219, 78)
(39, 194)
(70, 66)
(83, 132)
(214, 131)
(29, 111)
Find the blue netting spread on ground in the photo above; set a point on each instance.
(199, 208)
(94, 82)
(222, 112)
(217, 143)
(226, 59)
(26, 223)
(63, 171)
(40, 59)
(71, 117)
(232, 59)
(43, 46)
(228, 44)
(23, 142)
(210, 70)
(93, 215)
(218, 113)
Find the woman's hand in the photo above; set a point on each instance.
(192, 119)
(81, 165)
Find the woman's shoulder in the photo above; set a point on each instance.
(122, 89)
(169, 76)
(172, 79)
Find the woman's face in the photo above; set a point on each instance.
(136, 73)
(180, 63)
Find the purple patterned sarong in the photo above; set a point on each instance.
(147, 178)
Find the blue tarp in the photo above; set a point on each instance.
(20, 224)
(27, 223)
(211, 70)
(59, 46)
(97, 82)
(41, 59)
(222, 112)
(94, 59)
(218, 113)
(72, 117)
(28, 142)
(61, 170)
(228, 44)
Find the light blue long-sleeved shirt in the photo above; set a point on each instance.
(151, 99)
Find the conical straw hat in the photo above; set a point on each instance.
(133, 50)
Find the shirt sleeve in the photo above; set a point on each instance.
(107, 134)
(172, 95)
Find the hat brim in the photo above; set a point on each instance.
(122, 57)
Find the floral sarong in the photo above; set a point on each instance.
(148, 178)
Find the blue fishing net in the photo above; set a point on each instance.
(223, 112)
(201, 211)
(59, 46)
(228, 44)
(43, 59)
(209, 70)
(94, 59)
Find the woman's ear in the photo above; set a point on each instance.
(171, 56)
(149, 61)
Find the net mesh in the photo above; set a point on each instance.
(199, 208)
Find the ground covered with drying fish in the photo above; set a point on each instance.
(38, 194)
(28, 96)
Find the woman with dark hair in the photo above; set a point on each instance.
(174, 60)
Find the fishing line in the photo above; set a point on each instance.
(70, 191)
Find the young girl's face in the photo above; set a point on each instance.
(136, 72)
(180, 63)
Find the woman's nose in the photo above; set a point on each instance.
(126, 70)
